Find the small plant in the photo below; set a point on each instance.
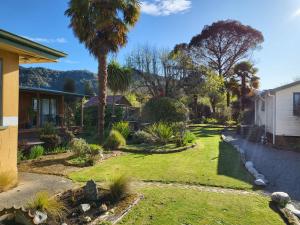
(188, 138)
(79, 147)
(141, 137)
(95, 149)
(59, 149)
(123, 127)
(43, 202)
(51, 141)
(115, 140)
(162, 132)
(230, 123)
(8, 180)
(68, 136)
(20, 156)
(119, 188)
(210, 121)
(36, 151)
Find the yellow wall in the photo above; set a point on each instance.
(9, 131)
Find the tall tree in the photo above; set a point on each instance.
(247, 73)
(119, 79)
(223, 44)
(102, 25)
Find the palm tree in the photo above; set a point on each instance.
(102, 25)
(119, 79)
(246, 71)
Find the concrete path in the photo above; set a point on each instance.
(29, 185)
(281, 168)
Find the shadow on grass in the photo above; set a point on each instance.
(230, 164)
(202, 131)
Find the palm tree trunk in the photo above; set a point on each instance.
(113, 108)
(102, 80)
(243, 92)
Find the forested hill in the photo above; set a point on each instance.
(54, 79)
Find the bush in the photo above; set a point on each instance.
(230, 123)
(164, 109)
(8, 180)
(68, 136)
(48, 129)
(36, 151)
(52, 141)
(20, 156)
(95, 149)
(186, 138)
(161, 132)
(120, 188)
(123, 128)
(79, 147)
(211, 121)
(43, 202)
(115, 140)
(141, 137)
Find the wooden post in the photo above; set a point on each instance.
(82, 109)
(38, 116)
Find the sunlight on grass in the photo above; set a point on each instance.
(210, 163)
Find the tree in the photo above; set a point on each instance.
(102, 25)
(119, 79)
(88, 88)
(69, 85)
(213, 88)
(247, 73)
(223, 44)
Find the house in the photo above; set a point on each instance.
(38, 106)
(278, 110)
(15, 50)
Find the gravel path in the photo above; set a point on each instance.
(29, 185)
(281, 168)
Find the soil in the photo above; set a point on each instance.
(55, 164)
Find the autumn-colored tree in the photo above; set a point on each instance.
(102, 25)
(223, 44)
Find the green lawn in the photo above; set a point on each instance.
(163, 206)
(210, 163)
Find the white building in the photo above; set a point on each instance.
(279, 111)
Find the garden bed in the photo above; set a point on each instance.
(155, 149)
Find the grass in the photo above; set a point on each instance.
(151, 147)
(211, 162)
(181, 206)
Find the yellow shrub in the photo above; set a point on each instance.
(8, 180)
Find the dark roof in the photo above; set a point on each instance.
(50, 91)
(119, 100)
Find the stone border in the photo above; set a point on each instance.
(114, 219)
(260, 179)
(159, 151)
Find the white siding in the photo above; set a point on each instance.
(286, 123)
(261, 119)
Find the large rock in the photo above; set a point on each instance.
(260, 182)
(280, 198)
(91, 191)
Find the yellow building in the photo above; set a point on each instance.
(15, 50)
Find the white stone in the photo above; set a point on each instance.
(85, 207)
(87, 219)
(292, 208)
(249, 164)
(64, 224)
(103, 208)
(281, 198)
(39, 217)
(260, 182)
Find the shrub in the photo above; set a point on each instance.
(164, 109)
(185, 139)
(141, 136)
(230, 123)
(8, 180)
(95, 149)
(36, 151)
(210, 121)
(43, 202)
(123, 128)
(161, 132)
(68, 136)
(79, 147)
(48, 129)
(51, 141)
(120, 188)
(115, 140)
(20, 156)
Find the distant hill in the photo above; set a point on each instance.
(54, 79)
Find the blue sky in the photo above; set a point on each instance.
(165, 23)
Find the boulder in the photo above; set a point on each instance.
(280, 198)
(90, 191)
(87, 219)
(85, 207)
(103, 208)
(39, 217)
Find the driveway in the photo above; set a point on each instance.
(29, 185)
(281, 168)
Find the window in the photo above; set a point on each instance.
(262, 106)
(296, 103)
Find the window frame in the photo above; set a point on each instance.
(296, 112)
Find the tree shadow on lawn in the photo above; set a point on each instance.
(230, 164)
(201, 131)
